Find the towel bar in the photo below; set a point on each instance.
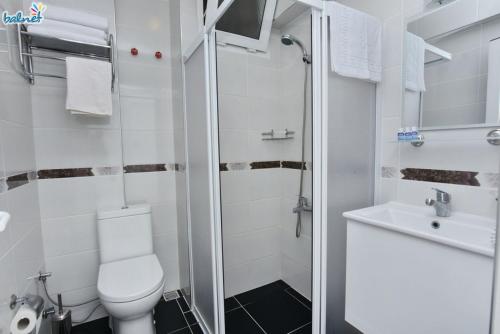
(29, 42)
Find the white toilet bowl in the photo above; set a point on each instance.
(129, 290)
(131, 279)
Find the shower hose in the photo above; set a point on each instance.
(298, 228)
(44, 282)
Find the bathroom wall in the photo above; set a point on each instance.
(248, 87)
(79, 159)
(259, 92)
(21, 250)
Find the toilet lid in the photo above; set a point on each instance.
(130, 279)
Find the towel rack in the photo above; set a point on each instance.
(443, 55)
(29, 42)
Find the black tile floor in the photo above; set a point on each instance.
(274, 308)
(173, 316)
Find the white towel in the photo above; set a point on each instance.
(77, 17)
(88, 87)
(355, 43)
(415, 63)
(75, 28)
(53, 31)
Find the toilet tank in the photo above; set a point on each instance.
(125, 233)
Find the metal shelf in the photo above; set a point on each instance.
(29, 43)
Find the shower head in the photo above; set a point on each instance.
(288, 40)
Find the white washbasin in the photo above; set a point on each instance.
(464, 231)
(405, 276)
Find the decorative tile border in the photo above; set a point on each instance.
(441, 176)
(293, 165)
(106, 171)
(64, 173)
(145, 168)
(389, 172)
(18, 180)
(265, 164)
(3, 185)
(254, 165)
(467, 178)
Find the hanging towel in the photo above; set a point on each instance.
(355, 43)
(53, 31)
(88, 87)
(76, 17)
(415, 63)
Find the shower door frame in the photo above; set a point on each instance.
(319, 132)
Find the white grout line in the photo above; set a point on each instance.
(244, 309)
(180, 329)
(296, 329)
(298, 300)
(235, 308)
(184, 316)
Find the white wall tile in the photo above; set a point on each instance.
(79, 196)
(73, 271)
(28, 258)
(166, 248)
(250, 246)
(234, 112)
(146, 113)
(22, 136)
(14, 94)
(164, 217)
(244, 277)
(145, 146)
(68, 148)
(234, 186)
(24, 209)
(49, 111)
(234, 147)
(7, 278)
(153, 188)
(72, 234)
(297, 276)
(232, 72)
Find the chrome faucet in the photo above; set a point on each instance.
(302, 205)
(441, 203)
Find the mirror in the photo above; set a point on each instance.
(452, 62)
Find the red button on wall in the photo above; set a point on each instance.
(134, 51)
(158, 55)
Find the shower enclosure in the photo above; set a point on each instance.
(265, 121)
(264, 128)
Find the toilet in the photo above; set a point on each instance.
(131, 279)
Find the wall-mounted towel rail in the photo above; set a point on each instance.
(443, 55)
(30, 42)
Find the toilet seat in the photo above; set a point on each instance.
(129, 280)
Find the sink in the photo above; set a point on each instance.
(409, 271)
(468, 232)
